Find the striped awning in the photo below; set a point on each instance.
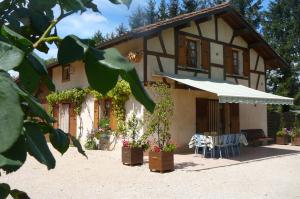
(230, 93)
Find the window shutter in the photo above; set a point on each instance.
(228, 60)
(182, 51)
(202, 115)
(96, 114)
(205, 54)
(55, 115)
(246, 62)
(234, 118)
(73, 120)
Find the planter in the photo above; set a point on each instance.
(296, 141)
(104, 142)
(132, 156)
(162, 161)
(283, 140)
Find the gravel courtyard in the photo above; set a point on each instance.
(261, 172)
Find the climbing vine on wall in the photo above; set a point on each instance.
(119, 95)
(75, 96)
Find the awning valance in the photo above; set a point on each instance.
(231, 93)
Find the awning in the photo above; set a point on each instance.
(230, 93)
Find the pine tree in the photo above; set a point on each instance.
(249, 9)
(281, 29)
(121, 29)
(189, 6)
(151, 13)
(98, 38)
(173, 8)
(137, 18)
(162, 10)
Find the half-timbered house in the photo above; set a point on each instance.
(214, 62)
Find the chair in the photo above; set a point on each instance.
(219, 144)
(237, 143)
(199, 143)
(226, 143)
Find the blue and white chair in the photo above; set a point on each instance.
(200, 143)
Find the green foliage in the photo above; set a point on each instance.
(173, 8)
(169, 148)
(9, 108)
(59, 140)
(281, 133)
(5, 190)
(132, 137)
(281, 30)
(190, 6)
(75, 95)
(90, 143)
(27, 27)
(151, 13)
(162, 10)
(137, 18)
(158, 123)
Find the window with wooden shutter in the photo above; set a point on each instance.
(235, 61)
(182, 50)
(66, 73)
(234, 118)
(246, 62)
(228, 59)
(191, 53)
(205, 54)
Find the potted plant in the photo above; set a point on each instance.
(295, 137)
(103, 134)
(161, 155)
(133, 146)
(91, 143)
(282, 136)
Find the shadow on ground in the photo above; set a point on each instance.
(192, 162)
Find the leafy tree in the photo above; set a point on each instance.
(137, 18)
(281, 29)
(162, 10)
(27, 26)
(173, 8)
(189, 6)
(151, 13)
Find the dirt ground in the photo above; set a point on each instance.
(261, 172)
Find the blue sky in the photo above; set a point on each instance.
(86, 24)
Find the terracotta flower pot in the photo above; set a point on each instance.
(296, 141)
(283, 140)
(161, 161)
(132, 156)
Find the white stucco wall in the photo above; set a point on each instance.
(253, 117)
(85, 120)
(77, 77)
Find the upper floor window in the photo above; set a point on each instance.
(191, 53)
(66, 73)
(235, 59)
